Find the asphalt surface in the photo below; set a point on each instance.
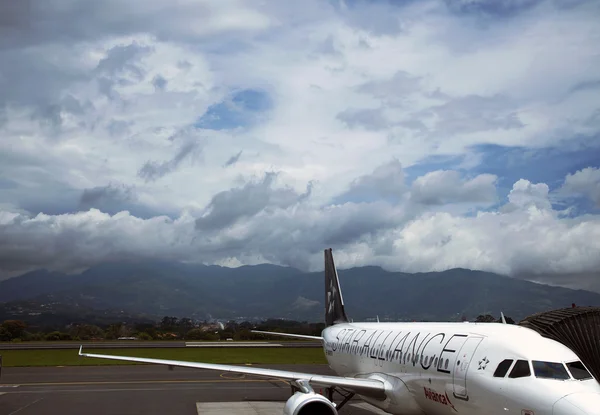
(129, 390)
(124, 344)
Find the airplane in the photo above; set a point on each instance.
(429, 368)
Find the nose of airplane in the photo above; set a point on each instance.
(578, 404)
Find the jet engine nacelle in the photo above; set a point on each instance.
(311, 403)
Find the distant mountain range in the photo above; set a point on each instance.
(153, 290)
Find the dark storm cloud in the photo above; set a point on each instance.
(154, 170)
(229, 206)
(327, 47)
(52, 114)
(49, 115)
(358, 221)
(290, 236)
(233, 159)
(457, 115)
(120, 65)
(370, 119)
(279, 239)
(54, 242)
(492, 8)
(122, 59)
(284, 231)
(386, 181)
(159, 82)
(115, 198)
(578, 281)
(52, 48)
(36, 181)
(31, 22)
(446, 186)
(42, 43)
(415, 125)
(33, 79)
(119, 128)
(474, 113)
(106, 195)
(379, 18)
(394, 89)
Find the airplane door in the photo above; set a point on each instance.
(462, 365)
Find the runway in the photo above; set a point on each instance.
(124, 344)
(147, 390)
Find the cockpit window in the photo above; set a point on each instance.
(550, 370)
(578, 371)
(520, 370)
(503, 368)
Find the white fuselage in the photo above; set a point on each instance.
(448, 368)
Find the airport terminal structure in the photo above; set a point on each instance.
(578, 328)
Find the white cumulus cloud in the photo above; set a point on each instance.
(242, 132)
(584, 182)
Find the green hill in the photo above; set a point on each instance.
(156, 289)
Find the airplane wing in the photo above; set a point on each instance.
(297, 336)
(363, 386)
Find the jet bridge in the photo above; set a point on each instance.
(578, 328)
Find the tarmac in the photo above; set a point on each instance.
(148, 390)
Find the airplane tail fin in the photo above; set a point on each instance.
(334, 303)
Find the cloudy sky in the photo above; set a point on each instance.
(416, 135)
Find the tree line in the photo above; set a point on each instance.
(172, 328)
(169, 328)
(488, 318)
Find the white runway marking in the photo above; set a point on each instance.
(26, 406)
(84, 390)
(208, 344)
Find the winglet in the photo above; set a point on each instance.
(80, 349)
(502, 317)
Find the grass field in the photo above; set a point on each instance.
(60, 357)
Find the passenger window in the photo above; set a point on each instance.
(436, 362)
(578, 371)
(550, 370)
(446, 364)
(521, 370)
(502, 368)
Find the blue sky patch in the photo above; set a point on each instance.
(495, 8)
(239, 110)
(509, 164)
(252, 100)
